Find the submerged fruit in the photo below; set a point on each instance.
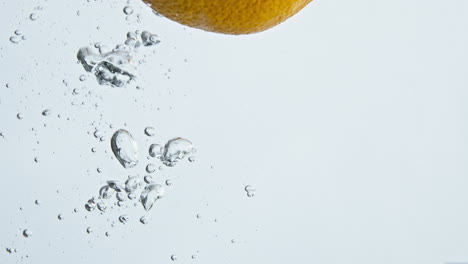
(229, 16)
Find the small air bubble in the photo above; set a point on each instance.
(168, 182)
(150, 131)
(150, 168)
(14, 39)
(128, 10)
(33, 16)
(124, 219)
(250, 191)
(144, 220)
(148, 179)
(27, 233)
(46, 112)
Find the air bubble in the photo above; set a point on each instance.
(144, 220)
(125, 148)
(101, 206)
(128, 10)
(150, 194)
(106, 192)
(124, 219)
(155, 150)
(114, 68)
(131, 184)
(121, 196)
(149, 39)
(27, 233)
(14, 39)
(33, 16)
(90, 205)
(149, 179)
(117, 186)
(46, 112)
(250, 191)
(150, 131)
(175, 150)
(150, 168)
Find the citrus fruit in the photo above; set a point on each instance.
(229, 16)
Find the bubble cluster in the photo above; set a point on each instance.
(116, 67)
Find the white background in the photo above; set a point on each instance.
(349, 119)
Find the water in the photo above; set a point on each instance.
(150, 195)
(125, 148)
(175, 150)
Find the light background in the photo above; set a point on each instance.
(349, 120)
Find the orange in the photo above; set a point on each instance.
(229, 16)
